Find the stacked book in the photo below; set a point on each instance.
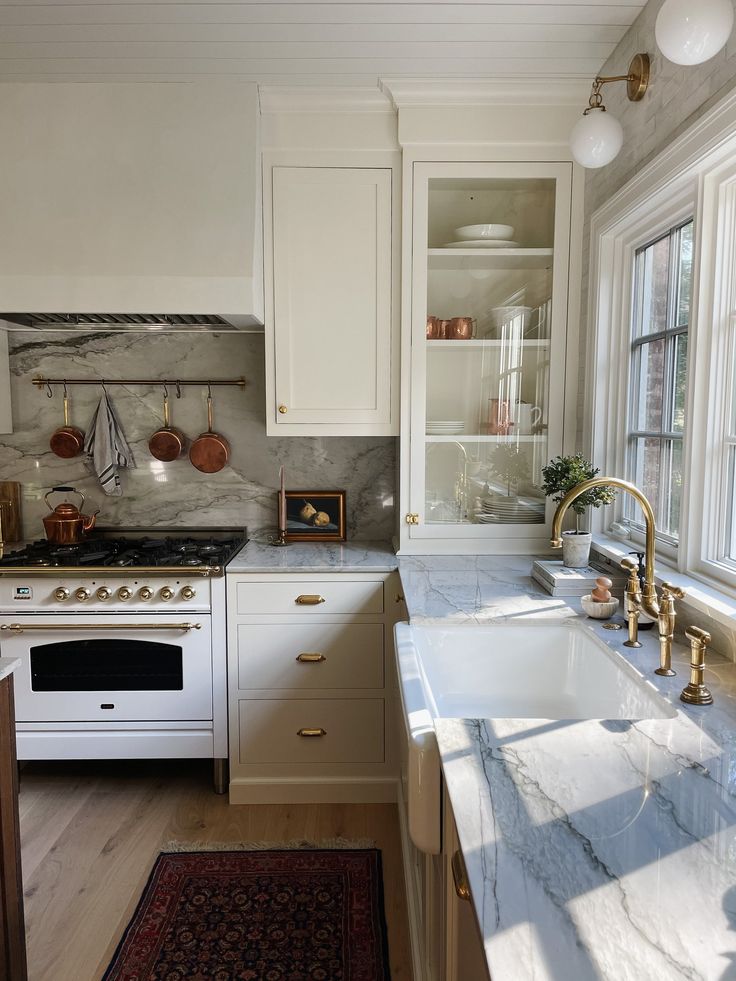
(559, 580)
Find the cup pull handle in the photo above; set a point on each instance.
(307, 657)
(311, 733)
(309, 599)
(460, 876)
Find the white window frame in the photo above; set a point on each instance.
(693, 177)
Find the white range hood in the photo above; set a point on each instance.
(141, 200)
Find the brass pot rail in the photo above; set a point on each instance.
(40, 382)
(130, 571)
(22, 628)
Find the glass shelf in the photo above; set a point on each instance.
(489, 342)
(466, 438)
(489, 258)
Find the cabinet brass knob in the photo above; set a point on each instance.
(460, 876)
(283, 410)
(309, 599)
(412, 519)
(311, 733)
(310, 658)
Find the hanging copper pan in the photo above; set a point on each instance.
(167, 443)
(67, 441)
(209, 452)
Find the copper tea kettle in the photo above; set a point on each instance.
(66, 525)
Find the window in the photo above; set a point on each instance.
(661, 358)
(662, 287)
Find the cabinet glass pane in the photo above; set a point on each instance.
(489, 306)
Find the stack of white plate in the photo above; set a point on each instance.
(445, 427)
(487, 236)
(497, 510)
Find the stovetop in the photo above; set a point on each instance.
(119, 549)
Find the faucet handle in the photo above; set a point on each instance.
(669, 589)
(698, 636)
(629, 565)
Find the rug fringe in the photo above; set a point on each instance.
(262, 846)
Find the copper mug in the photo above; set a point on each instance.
(443, 327)
(499, 417)
(461, 328)
(433, 328)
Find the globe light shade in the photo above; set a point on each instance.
(689, 32)
(596, 139)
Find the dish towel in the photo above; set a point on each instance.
(107, 448)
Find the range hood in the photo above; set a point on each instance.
(141, 200)
(124, 321)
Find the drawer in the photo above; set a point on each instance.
(339, 596)
(353, 730)
(352, 655)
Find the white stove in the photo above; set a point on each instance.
(122, 647)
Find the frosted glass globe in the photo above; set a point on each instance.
(596, 139)
(689, 32)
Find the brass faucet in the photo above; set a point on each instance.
(661, 609)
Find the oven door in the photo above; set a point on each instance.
(77, 668)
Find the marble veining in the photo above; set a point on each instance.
(595, 849)
(323, 557)
(175, 494)
(8, 666)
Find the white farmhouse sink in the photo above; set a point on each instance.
(535, 670)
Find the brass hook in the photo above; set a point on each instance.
(49, 390)
(166, 391)
(209, 390)
(178, 389)
(65, 391)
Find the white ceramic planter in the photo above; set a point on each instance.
(576, 549)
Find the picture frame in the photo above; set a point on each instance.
(302, 510)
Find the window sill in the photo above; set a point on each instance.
(704, 597)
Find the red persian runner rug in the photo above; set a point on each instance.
(289, 915)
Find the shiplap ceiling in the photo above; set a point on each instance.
(301, 41)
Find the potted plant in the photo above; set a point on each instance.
(510, 465)
(560, 476)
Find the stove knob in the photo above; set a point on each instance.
(166, 593)
(145, 592)
(124, 593)
(82, 594)
(103, 593)
(61, 594)
(188, 592)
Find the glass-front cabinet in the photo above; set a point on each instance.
(490, 266)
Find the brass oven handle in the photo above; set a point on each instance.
(308, 733)
(309, 599)
(460, 876)
(18, 628)
(308, 658)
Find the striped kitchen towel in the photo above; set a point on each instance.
(107, 448)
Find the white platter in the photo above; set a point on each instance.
(482, 243)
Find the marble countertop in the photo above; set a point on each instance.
(8, 666)
(320, 557)
(595, 849)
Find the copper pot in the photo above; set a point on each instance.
(461, 328)
(167, 443)
(67, 441)
(209, 452)
(66, 525)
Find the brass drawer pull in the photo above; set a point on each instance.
(460, 877)
(309, 599)
(309, 658)
(18, 628)
(310, 733)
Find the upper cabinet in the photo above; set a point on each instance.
(331, 308)
(490, 264)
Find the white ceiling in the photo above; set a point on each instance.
(325, 43)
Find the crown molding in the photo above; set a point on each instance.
(437, 92)
(315, 98)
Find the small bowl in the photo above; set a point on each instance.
(470, 232)
(599, 611)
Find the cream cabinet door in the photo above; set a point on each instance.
(329, 346)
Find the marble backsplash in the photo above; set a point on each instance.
(175, 494)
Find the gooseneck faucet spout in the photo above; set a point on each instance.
(649, 600)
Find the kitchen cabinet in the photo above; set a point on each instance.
(311, 687)
(331, 259)
(487, 359)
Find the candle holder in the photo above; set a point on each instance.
(280, 538)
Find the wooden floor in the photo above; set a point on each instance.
(90, 833)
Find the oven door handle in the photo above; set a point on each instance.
(21, 628)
